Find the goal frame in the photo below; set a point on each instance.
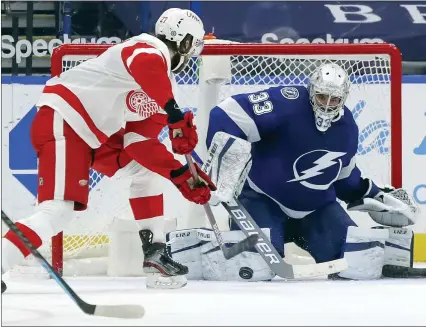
(253, 49)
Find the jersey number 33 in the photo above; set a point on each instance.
(260, 102)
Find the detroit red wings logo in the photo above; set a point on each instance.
(140, 103)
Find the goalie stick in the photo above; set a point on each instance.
(115, 311)
(392, 271)
(271, 256)
(264, 247)
(235, 249)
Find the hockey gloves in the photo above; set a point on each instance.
(389, 207)
(182, 131)
(183, 134)
(198, 193)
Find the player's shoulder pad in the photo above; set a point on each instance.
(288, 93)
(290, 98)
(154, 42)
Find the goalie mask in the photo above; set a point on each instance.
(328, 90)
(186, 32)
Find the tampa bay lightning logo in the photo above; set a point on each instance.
(380, 127)
(317, 169)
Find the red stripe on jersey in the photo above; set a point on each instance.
(150, 127)
(150, 71)
(127, 52)
(147, 206)
(154, 156)
(30, 235)
(76, 104)
(151, 153)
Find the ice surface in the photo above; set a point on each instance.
(312, 302)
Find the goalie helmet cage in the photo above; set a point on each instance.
(367, 63)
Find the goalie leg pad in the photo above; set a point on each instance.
(184, 246)
(364, 251)
(200, 252)
(246, 266)
(399, 247)
(227, 164)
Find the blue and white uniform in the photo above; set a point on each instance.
(298, 172)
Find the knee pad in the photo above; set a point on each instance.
(51, 217)
(364, 251)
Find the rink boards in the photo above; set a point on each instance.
(19, 165)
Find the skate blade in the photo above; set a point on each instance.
(162, 282)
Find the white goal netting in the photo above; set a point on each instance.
(199, 89)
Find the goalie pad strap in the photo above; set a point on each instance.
(399, 247)
(364, 252)
(368, 250)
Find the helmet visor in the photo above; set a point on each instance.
(190, 46)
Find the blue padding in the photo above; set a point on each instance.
(355, 247)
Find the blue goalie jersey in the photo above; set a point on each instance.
(296, 165)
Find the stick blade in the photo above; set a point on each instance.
(241, 246)
(129, 311)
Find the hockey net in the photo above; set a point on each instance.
(374, 99)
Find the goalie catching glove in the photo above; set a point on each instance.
(390, 207)
(182, 131)
(195, 192)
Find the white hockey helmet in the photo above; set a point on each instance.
(328, 90)
(186, 29)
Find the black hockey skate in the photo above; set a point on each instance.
(3, 287)
(162, 270)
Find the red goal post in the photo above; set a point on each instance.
(293, 55)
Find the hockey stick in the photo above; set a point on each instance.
(271, 256)
(403, 272)
(115, 311)
(268, 252)
(235, 249)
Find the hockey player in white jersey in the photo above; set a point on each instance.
(80, 123)
(298, 145)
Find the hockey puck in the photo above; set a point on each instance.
(246, 273)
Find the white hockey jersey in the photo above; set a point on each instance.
(128, 82)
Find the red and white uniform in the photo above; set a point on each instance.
(106, 113)
(91, 96)
(89, 114)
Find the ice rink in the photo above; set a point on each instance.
(388, 302)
